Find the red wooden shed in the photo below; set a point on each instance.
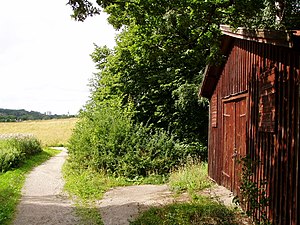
(255, 110)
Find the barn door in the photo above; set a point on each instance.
(234, 134)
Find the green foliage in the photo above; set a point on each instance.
(107, 140)
(11, 183)
(88, 185)
(263, 13)
(191, 177)
(144, 116)
(161, 85)
(249, 13)
(201, 212)
(14, 149)
(253, 194)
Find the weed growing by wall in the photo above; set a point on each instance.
(253, 194)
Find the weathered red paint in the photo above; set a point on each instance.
(255, 110)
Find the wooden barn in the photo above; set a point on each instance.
(255, 110)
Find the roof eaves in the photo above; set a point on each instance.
(289, 39)
(279, 38)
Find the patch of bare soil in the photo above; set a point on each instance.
(224, 196)
(43, 200)
(220, 194)
(123, 204)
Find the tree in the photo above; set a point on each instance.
(274, 14)
(162, 51)
(157, 62)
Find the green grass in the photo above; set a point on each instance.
(192, 177)
(88, 213)
(202, 211)
(11, 183)
(86, 186)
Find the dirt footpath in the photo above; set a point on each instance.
(43, 201)
(123, 204)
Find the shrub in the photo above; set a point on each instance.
(15, 148)
(106, 139)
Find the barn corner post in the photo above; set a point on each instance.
(254, 110)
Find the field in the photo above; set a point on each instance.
(55, 132)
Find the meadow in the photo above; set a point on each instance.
(20, 152)
(55, 132)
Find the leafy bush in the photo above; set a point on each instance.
(106, 139)
(15, 148)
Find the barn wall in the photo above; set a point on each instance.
(275, 143)
(233, 80)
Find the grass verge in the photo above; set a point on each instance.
(191, 178)
(86, 186)
(11, 183)
(202, 211)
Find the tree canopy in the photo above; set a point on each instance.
(161, 52)
(248, 13)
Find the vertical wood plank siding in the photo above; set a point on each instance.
(276, 151)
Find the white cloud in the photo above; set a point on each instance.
(44, 55)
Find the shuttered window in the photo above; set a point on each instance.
(214, 110)
(267, 100)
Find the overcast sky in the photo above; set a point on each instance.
(44, 55)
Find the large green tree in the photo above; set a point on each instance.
(162, 50)
(157, 64)
(253, 13)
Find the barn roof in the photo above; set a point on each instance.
(289, 39)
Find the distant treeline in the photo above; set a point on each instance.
(13, 115)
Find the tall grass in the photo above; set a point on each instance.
(15, 148)
(55, 132)
(191, 177)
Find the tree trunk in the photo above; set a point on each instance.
(280, 8)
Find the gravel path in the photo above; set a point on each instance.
(43, 202)
(123, 204)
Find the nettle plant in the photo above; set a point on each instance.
(253, 194)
